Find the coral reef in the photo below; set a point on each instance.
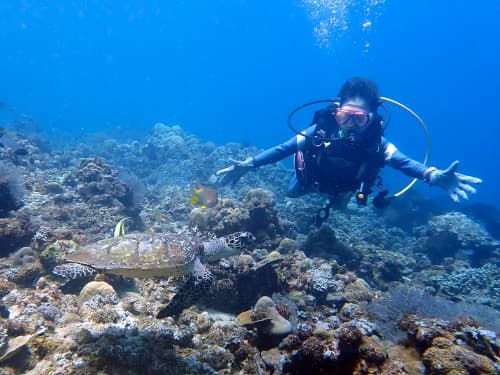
(255, 213)
(481, 284)
(445, 349)
(323, 242)
(99, 185)
(11, 188)
(269, 324)
(453, 233)
(366, 293)
(15, 232)
(390, 308)
(445, 357)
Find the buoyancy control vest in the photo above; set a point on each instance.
(336, 163)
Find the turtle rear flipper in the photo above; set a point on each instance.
(197, 284)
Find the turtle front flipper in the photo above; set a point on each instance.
(199, 281)
(73, 270)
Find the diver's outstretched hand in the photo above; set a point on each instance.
(232, 174)
(456, 184)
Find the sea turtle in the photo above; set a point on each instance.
(156, 254)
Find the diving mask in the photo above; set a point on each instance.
(349, 118)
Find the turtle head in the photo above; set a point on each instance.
(239, 240)
(229, 245)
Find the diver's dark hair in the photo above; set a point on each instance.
(362, 88)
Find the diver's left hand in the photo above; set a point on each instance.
(456, 184)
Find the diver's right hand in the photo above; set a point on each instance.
(233, 173)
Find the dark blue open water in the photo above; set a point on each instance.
(233, 70)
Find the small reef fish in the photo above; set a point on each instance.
(121, 227)
(204, 196)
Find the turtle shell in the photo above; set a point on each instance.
(141, 254)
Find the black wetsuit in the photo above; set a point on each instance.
(336, 164)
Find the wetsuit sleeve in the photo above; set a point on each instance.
(397, 160)
(281, 151)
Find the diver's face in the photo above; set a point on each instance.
(353, 116)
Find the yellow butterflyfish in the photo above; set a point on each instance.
(205, 196)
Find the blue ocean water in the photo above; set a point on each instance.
(233, 70)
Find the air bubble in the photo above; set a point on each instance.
(332, 18)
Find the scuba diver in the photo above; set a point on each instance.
(343, 151)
